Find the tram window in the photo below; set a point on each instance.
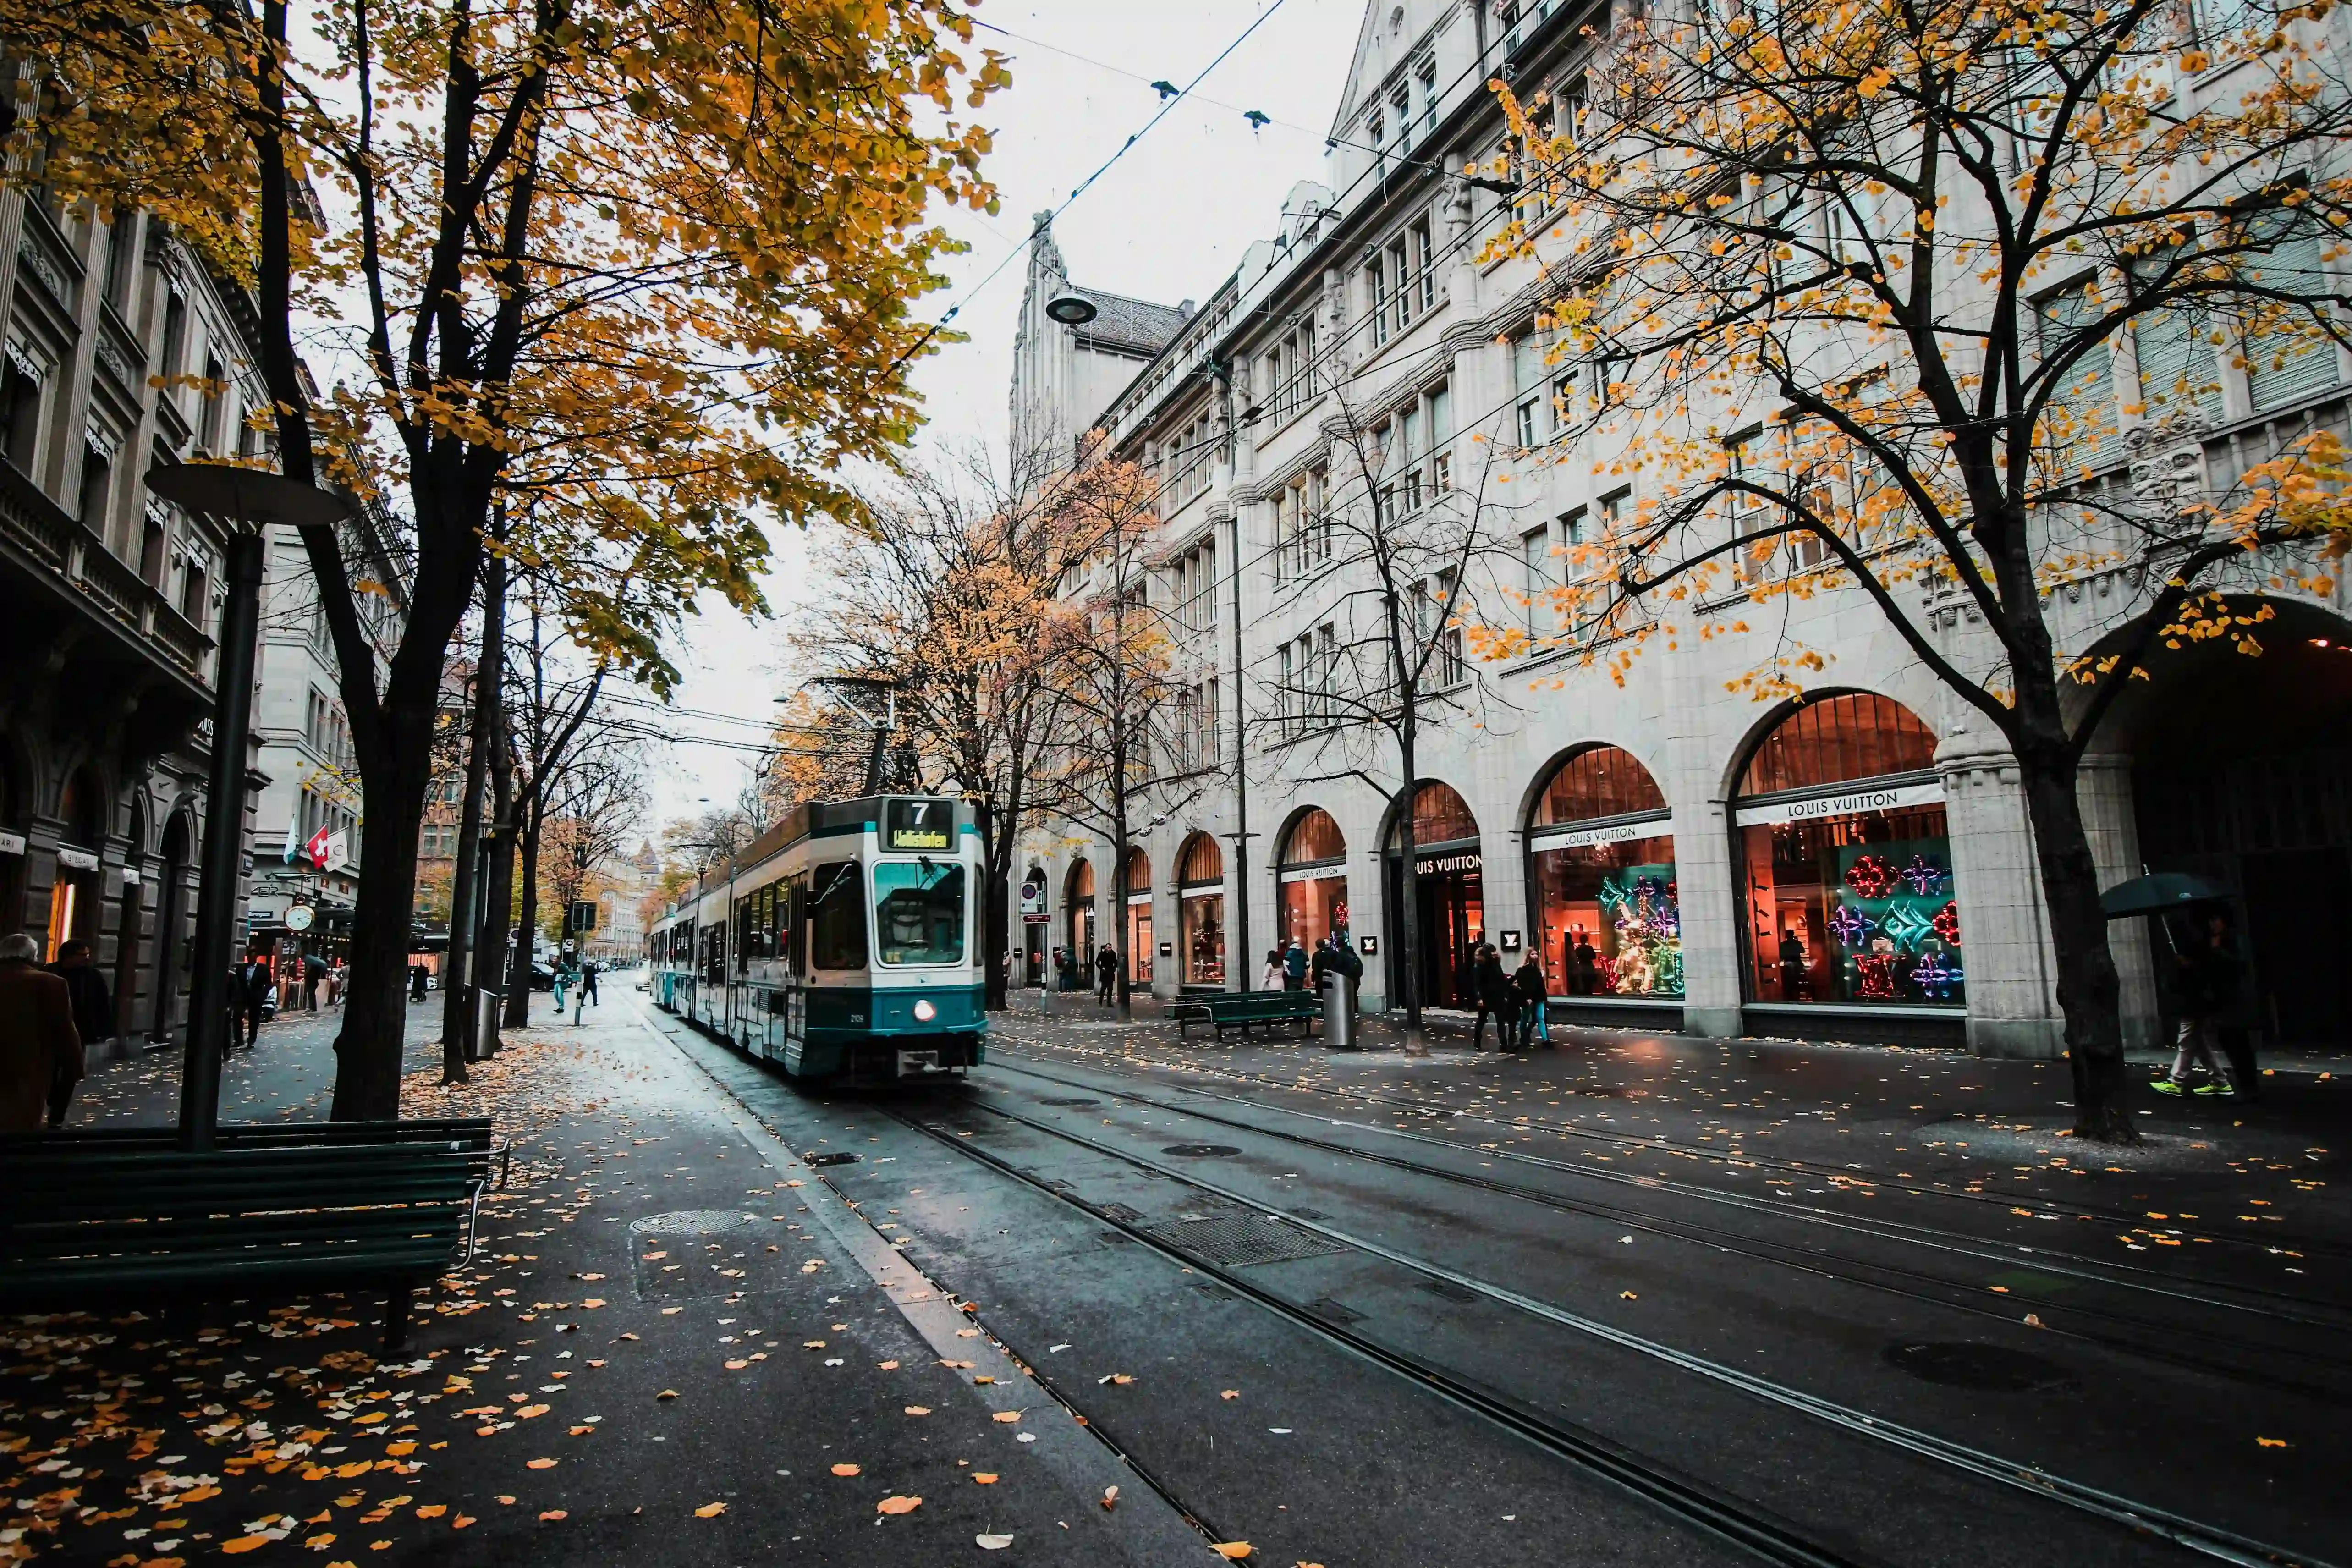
(837, 918)
(919, 912)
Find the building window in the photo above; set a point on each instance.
(97, 480)
(1312, 870)
(1849, 890)
(1600, 875)
(1302, 531)
(1200, 897)
(1136, 892)
(20, 403)
(1535, 567)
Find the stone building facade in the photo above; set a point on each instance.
(1681, 856)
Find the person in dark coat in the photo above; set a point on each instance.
(1528, 982)
(417, 980)
(1105, 973)
(1493, 989)
(2207, 975)
(588, 981)
(39, 1043)
(93, 1014)
(248, 993)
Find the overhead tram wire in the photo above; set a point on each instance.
(1064, 205)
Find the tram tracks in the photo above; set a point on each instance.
(2278, 1242)
(2057, 1266)
(1732, 1519)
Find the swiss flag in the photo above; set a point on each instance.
(315, 851)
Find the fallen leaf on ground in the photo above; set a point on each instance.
(1110, 1497)
(672, 1312)
(737, 1365)
(1627, 1296)
(993, 1543)
(844, 1469)
(529, 1411)
(967, 1333)
(983, 1478)
(506, 1499)
(1231, 1551)
(1007, 1416)
(667, 1394)
(553, 1513)
(580, 1431)
(2271, 1442)
(888, 1365)
(433, 1511)
(596, 1363)
(710, 1510)
(244, 1543)
(980, 1379)
(918, 1410)
(898, 1505)
(1230, 1393)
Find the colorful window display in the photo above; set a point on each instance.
(1849, 886)
(1135, 888)
(1602, 874)
(1313, 872)
(1200, 899)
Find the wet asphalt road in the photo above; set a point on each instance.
(1512, 1328)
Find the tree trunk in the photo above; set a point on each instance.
(2089, 993)
(457, 986)
(498, 908)
(526, 924)
(1123, 988)
(995, 921)
(368, 1047)
(1408, 958)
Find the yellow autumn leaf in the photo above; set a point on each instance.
(244, 1544)
(844, 1469)
(710, 1510)
(985, 1478)
(1007, 1416)
(1231, 1551)
(898, 1505)
(540, 1465)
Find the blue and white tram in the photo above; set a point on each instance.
(843, 944)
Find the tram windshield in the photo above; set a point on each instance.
(919, 912)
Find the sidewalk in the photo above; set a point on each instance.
(663, 1353)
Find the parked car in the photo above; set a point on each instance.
(543, 977)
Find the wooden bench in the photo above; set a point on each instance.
(1243, 1009)
(106, 1219)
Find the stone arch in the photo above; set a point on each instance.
(1435, 803)
(1532, 800)
(1874, 734)
(1329, 843)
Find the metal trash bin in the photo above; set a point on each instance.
(1338, 1011)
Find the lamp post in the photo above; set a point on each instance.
(244, 503)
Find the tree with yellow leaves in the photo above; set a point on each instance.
(1942, 307)
(649, 260)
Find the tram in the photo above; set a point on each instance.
(842, 945)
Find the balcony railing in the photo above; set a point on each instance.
(51, 540)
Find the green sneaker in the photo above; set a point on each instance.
(2215, 1092)
(2165, 1086)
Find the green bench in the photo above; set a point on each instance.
(104, 1218)
(1245, 1009)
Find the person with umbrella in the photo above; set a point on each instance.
(2207, 976)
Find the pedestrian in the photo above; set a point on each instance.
(2206, 982)
(1492, 988)
(93, 1003)
(1294, 966)
(39, 1043)
(416, 983)
(337, 978)
(567, 976)
(1535, 1028)
(1105, 973)
(588, 982)
(1793, 965)
(1272, 980)
(1583, 966)
(249, 992)
(314, 982)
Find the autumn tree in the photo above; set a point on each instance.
(598, 809)
(658, 257)
(1877, 297)
(944, 596)
(1113, 700)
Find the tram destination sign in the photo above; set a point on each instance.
(1848, 802)
(917, 825)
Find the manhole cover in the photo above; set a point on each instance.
(1958, 1364)
(1238, 1241)
(1201, 1151)
(690, 1221)
(1074, 1104)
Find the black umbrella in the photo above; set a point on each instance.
(2157, 893)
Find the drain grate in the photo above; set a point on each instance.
(1122, 1213)
(1239, 1240)
(1201, 1151)
(690, 1221)
(1963, 1364)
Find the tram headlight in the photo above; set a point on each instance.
(924, 1010)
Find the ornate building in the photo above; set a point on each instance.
(1679, 855)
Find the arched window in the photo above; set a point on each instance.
(1078, 915)
(1604, 781)
(1314, 836)
(1201, 884)
(1849, 884)
(1082, 882)
(1440, 816)
(1858, 736)
(1135, 884)
(74, 894)
(1312, 871)
(1600, 875)
(1200, 861)
(1138, 879)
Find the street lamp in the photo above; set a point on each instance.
(244, 503)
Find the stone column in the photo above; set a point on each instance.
(2005, 934)
(2111, 818)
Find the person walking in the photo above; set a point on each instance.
(567, 976)
(1294, 966)
(1492, 988)
(416, 983)
(1535, 1028)
(314, 982)
(1105, 973)
(1272, 980)
(337, 978)
(2205, 979)
(39, 1043)
(588, 982)
(249, 993)
(93, 1003)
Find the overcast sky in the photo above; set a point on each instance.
(1167, 223)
